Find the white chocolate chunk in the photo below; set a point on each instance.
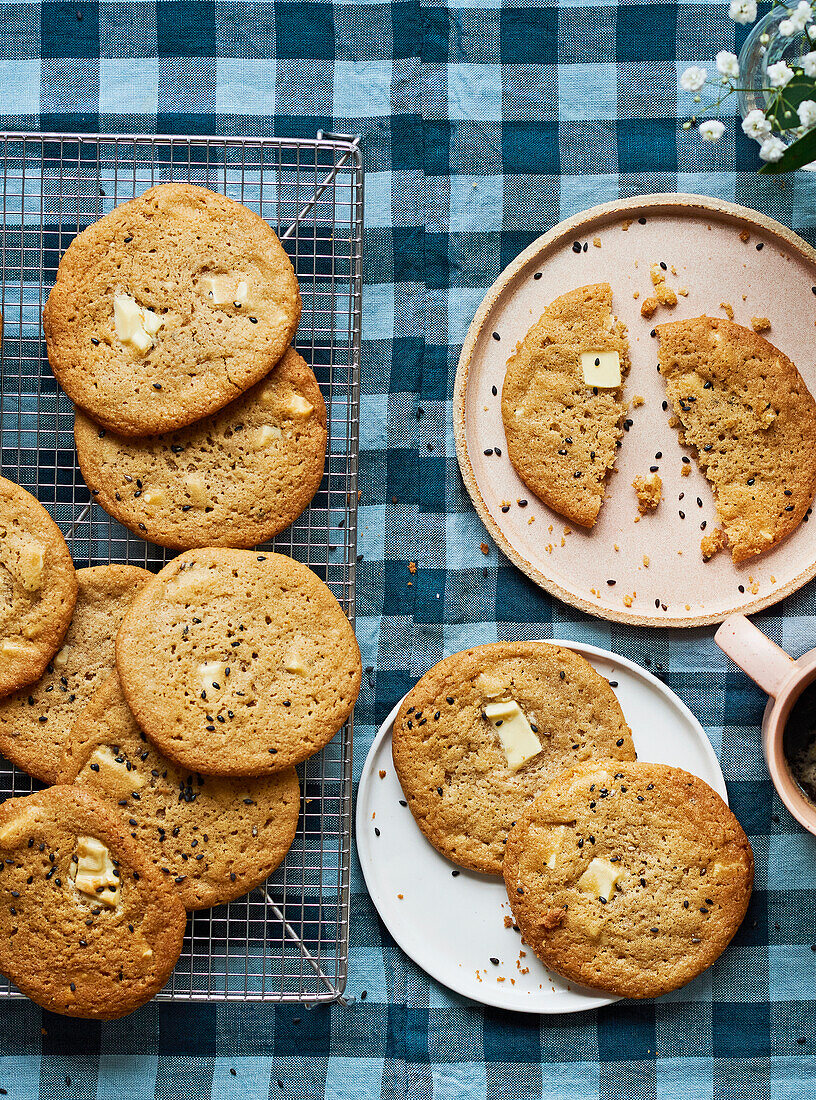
(32, 563)
(298, 406)
(60, 660)
(295, 660)
(223, 290)
(264, 436)
(13, 648)
(600, 878)
(135, 326)
(601, 369)
(188, 584)
(519, 742)
(105, 770)
(489, 686)
(553, 845)
(196, 490)
(153, 497)
(211, 678)
(94, 873)
(584, 781)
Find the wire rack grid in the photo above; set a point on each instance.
(289, 940)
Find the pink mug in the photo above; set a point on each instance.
(784, 679)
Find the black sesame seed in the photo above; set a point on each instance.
(496, 336)
(488, 452)
(610, 582)
(494, 391)
(538, 274)
(498, 452)
(254, 320)
(760, 246)
(94, 341)
(576, 246)
(376, 831)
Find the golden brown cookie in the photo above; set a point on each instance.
(236, 662)
(168, 308)
(563, 430)
(233, 479)
(631, 878)
(35, 722)
(88, 926)
(38, 587)
(465, 760)
(745, 409)
(213, 838)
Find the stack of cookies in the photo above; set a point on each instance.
(516, 760)
(167, 712)
(169, 326)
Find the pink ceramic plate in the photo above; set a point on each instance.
(771, 274)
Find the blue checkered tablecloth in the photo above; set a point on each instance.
(481, 127)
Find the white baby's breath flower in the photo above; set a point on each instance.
(771, 150)
(756, 125)
(743, 11)
(802, 16)
(811, 32)
(809, 63)
(787, 28)
(693, 78)
(780, 74)
(807, 113)
(727, 64)
(711, 130)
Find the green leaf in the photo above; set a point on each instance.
(783, 115)
(801, 152)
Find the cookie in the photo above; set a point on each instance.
(631, 878)
(35, 723)
(238, 663)
(745, 410)
(168, 308)
(562, 402)
(233, 479)
(485, 729)
(88, 926)
(38, 588)
(213, 838)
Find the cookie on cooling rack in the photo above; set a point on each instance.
(168, 308)
(628, 877)
(562, 402)
(70, 868)
(213, 838)
(35, 722)
(745, 409)
(483, 730)
(38, 587)
(233, 479)
(236, 662)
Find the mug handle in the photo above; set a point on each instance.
(763, 660)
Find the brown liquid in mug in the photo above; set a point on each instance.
(799, 742)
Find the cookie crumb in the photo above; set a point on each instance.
(596, 242)
(666, 296)
(649, 489)
(637, 401)
(484, 548)
(760, 324)
(648, 307)
(745, 236)
(412, 567)
(627, 601)
(636, 294)
(713, 543)
(728, 310)
(657, 275)
(683, 291)
(626, 224)
(383, 773)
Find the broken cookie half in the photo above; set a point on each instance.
(743, 407)
(562, 402)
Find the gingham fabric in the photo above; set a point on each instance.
(481, 128)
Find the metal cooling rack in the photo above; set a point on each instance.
(289, 940)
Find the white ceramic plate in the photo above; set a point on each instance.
(700, 239)
(450, 924)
